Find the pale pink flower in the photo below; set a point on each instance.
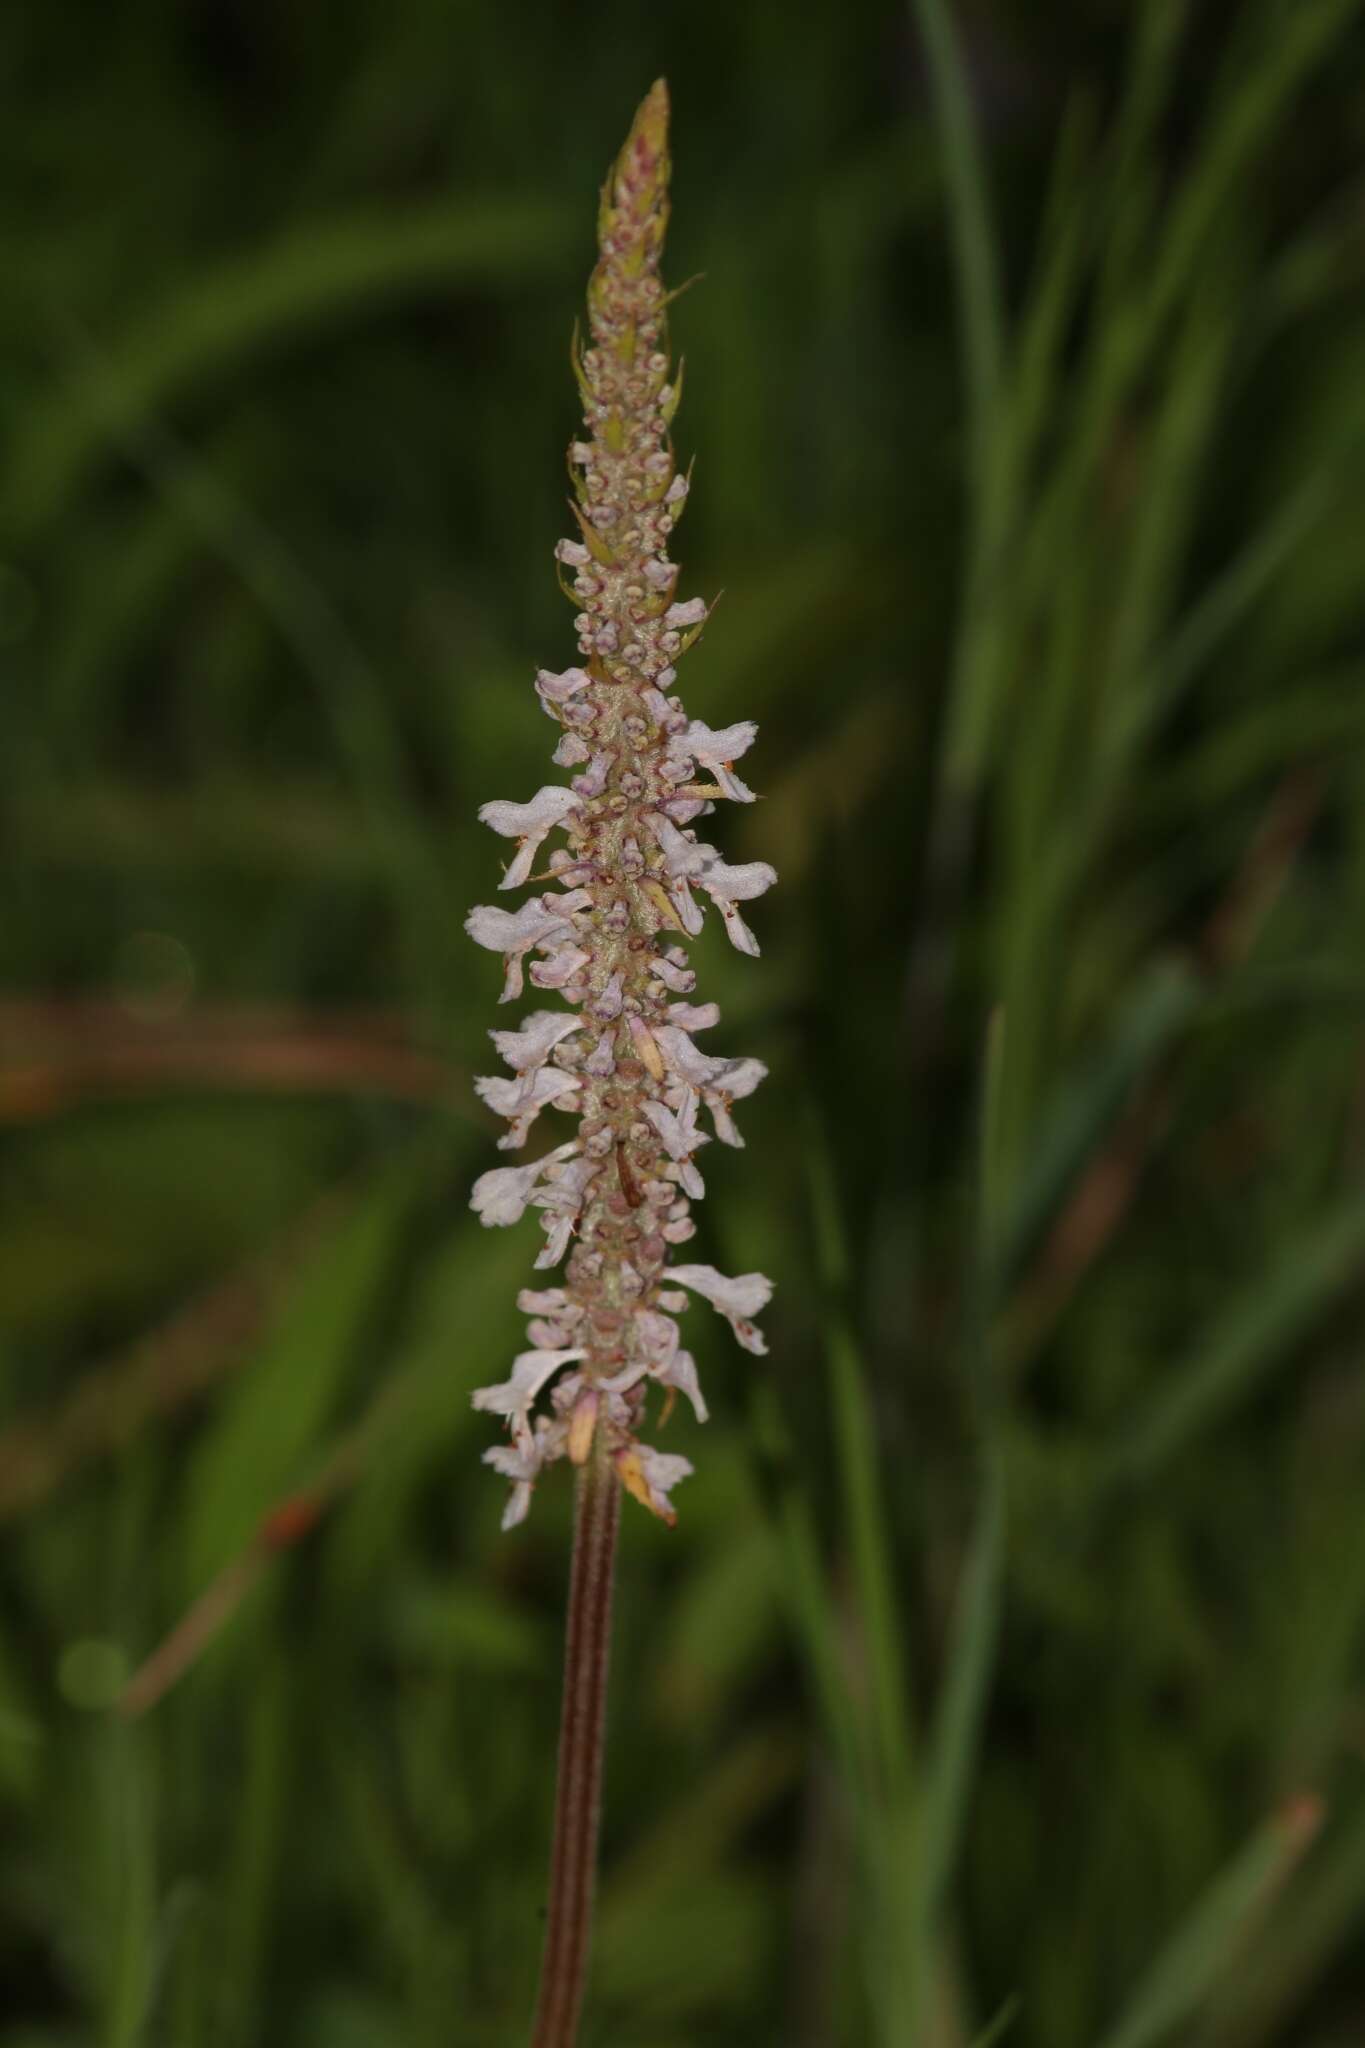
(740, 1079)
(685, 903)
(513, 1397)
(545, 1301)
(673, 973)
(694, 1016)
(651, 1476)
(593, 780)
(681, 1372)
(502, 1195)
(522, 1468)
(555, 691)
(737, 1300)
(540, 922)
(681, 1138)
(662, 711)
(522, 1097)
(718, 751)
(522, 1462)
(681, 851)
(697, 1068)
(719, 1082)
(528, 824)
(559, 967)
(535, 1038)
(727, 886)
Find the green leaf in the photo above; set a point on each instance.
(278, 1411)
(1149, 1021)
(1317, 1922)
(955, 1736)
(1207, 1941)
(214, 322)
(1248, 1340)
(864, 1507)
(1000, 2025)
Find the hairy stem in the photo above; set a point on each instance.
(582, 1733)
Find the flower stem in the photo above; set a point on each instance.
(582, 1733)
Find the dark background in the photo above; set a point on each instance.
(1007, 1660)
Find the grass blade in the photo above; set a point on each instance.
(974, 248)
(999, 2026)
(216, 320)
(1150, 1021)
(860, 1473)
(1201, 1948)
(956, 1734)
(1263, 1323)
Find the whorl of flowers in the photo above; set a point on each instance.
(605, 936)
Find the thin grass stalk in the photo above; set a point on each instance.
(582, 1741)
(962, 743)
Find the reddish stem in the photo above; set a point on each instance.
(582, 1740)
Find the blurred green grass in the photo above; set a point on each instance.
(1003, 1679)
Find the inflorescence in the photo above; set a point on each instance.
(606, 935)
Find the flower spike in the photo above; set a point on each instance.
(632, 878)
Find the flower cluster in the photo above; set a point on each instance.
(631, 881)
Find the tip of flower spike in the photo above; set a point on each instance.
(640, 178)
(649, 130)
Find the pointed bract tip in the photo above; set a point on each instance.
(654, 110)
(642, 166)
